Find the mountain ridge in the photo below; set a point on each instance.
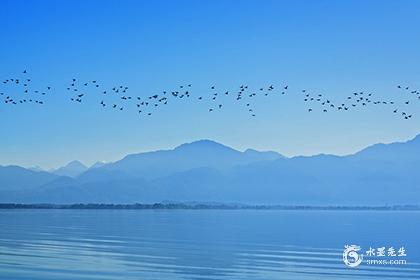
(209, 171)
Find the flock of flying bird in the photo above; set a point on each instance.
(77, 91)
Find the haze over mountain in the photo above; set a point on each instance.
(399, 151)
(72, 169)
(19, 178)
(208, 171)
(97, 164)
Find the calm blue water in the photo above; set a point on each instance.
(201, 244)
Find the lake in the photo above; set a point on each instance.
(203, 244)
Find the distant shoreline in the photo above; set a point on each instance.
(180, 206)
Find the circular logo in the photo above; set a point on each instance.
(351, 257)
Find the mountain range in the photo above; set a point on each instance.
(207, 171)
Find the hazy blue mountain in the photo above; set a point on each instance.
(72, 169)
(255, 156)
(17, 183)
(36, 168)
(97, 164)
(69, 190)
(18, 178)
(208, 171)
(203, 153)
(102, 175)
(395, 152)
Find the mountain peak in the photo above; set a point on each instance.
(75, 164)
(71, 169)
(266, 155)
(97, 164)
(204, 144)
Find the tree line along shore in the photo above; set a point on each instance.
(198, 206)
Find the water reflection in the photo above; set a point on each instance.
(199, 244)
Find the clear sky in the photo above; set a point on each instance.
(328, 47)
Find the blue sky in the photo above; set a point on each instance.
(328, 47)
